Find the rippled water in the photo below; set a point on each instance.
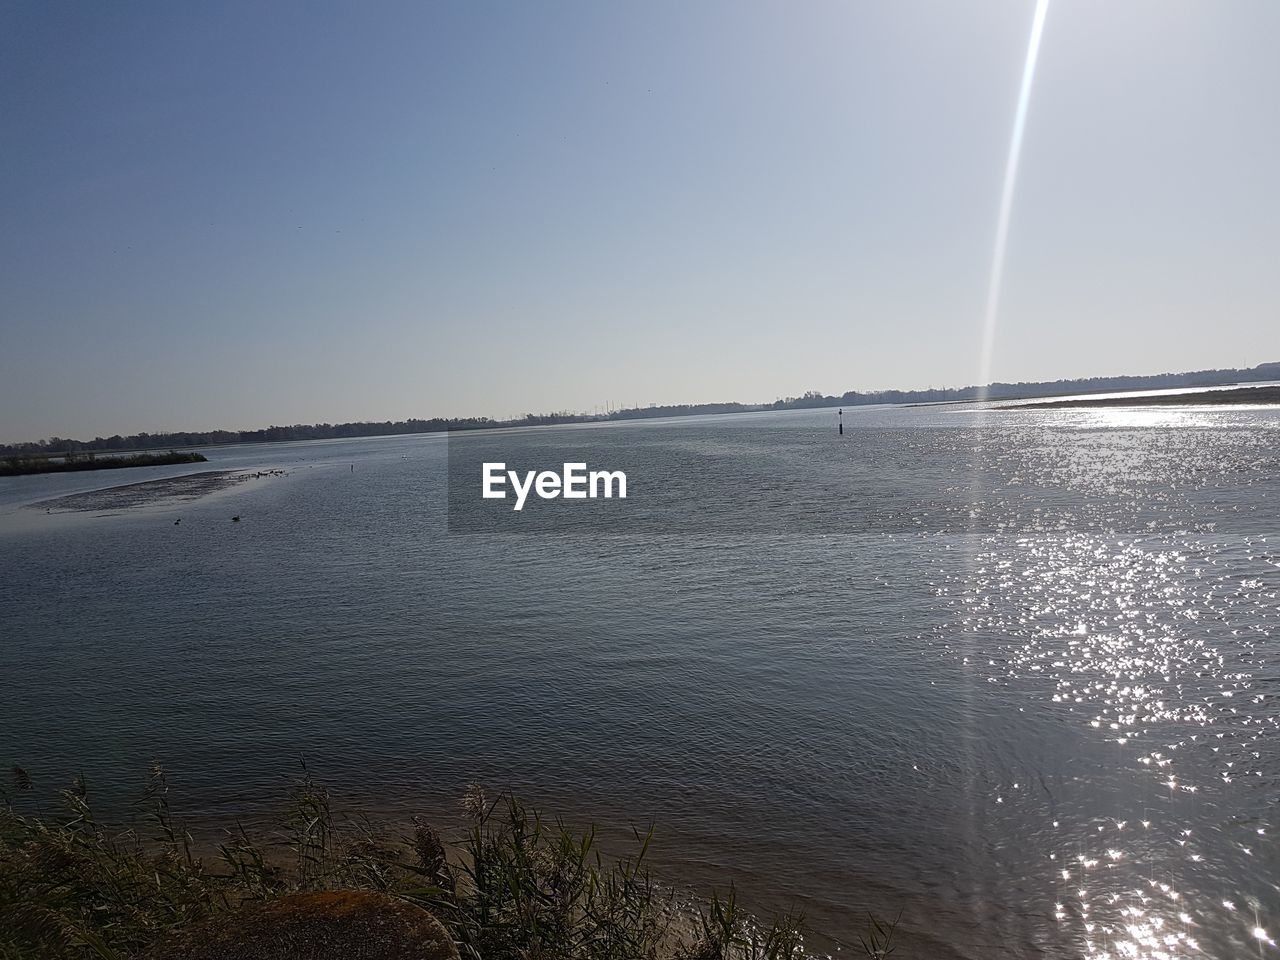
(1011, 673)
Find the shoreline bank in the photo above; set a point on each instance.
(1241, 396)
(22, 466)
(559, 886)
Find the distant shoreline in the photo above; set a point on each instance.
(1190, 380)
(20, 466)
(1201, 398)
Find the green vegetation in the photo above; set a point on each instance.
(18, 465)
(515, 887)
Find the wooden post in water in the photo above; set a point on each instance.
(841, 421)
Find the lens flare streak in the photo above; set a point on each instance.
(1006, 194)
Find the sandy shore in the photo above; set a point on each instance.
(1204, 398)
(145, 493)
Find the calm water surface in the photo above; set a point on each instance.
(1013, 673)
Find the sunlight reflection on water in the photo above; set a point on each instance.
(1159, 646)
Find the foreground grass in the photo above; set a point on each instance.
(19, 466)
(515, 886)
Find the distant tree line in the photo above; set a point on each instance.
(208, 438)
(1043, 388)
(682, 410)
(336, 431)
(813, 398)
(17, 465)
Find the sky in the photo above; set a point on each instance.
(241, 214)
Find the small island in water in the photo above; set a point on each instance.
(20, 465)
(1235, 397)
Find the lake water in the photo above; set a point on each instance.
(1013, 673)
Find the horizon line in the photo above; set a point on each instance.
(750, 406)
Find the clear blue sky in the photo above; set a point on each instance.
(227, 214)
